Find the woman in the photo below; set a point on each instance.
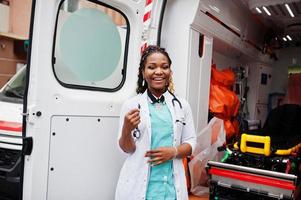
(156, 131)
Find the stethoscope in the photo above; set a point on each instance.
(136, 131)
(175, 99)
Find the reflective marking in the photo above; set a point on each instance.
(11, 126)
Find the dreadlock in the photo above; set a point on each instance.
(141, 84)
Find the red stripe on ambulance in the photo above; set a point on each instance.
(10, 126)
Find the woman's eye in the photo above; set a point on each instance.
(150, 67)
(165, 67)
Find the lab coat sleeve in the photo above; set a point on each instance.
(188, 132)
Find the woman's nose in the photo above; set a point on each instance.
(158, 70)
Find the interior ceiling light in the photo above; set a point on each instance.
(258, 10)
(266, 11)
(289, 38)
(289, 10)
(284, 39)
(216, 9)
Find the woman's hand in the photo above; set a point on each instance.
(131, 120)
(161, 155)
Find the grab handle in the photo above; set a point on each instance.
(265, 140)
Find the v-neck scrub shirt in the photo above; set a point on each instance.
(160, 183)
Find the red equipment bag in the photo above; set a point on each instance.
(223, 102)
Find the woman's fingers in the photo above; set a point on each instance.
(155, 157)
(159, 151)
(132, 114)
(135, 120)
(133, 111)
(152, 153)
(156, 161)
(132, 119)
(153, 160)
(160, 155)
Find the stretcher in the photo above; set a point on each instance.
(264, 164)
(252, 169)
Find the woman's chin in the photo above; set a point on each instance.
(160, 89)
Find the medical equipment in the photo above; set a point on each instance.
(175, 99)
(136, 132)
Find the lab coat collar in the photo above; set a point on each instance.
(167, 97)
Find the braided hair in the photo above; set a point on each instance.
(141, 84)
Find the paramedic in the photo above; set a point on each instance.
(156, 131)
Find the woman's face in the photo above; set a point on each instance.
(157, 73)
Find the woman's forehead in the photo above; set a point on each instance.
(157, 56)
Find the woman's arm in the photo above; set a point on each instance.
(163, 154)
(183, 150)
(131, 121)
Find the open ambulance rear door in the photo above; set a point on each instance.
(82, 65)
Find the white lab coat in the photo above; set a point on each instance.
(133, 179)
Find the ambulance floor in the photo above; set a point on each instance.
(192, 197)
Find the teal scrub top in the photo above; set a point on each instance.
(161, 180)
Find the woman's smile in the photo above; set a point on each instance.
(159, 80)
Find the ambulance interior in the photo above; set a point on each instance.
(266, 72)
(267, 85)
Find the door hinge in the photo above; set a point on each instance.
(27, 145)
(25, 114)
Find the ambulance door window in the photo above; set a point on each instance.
(90, 46)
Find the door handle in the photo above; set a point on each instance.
(27, 145)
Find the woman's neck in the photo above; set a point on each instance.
(157, 93)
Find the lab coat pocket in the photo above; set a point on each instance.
(178, 132)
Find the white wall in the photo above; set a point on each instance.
(223, 62)
(280, 74)
(20, 12)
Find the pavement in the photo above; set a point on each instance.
(192, 197)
